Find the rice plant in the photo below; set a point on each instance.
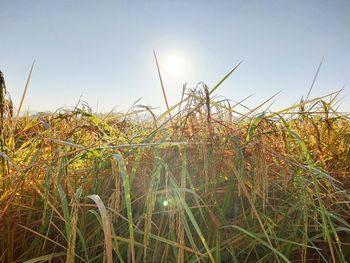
(209, 180)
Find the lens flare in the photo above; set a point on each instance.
(165, 203)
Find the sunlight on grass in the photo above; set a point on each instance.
(202, 182)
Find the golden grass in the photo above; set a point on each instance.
(208, 184)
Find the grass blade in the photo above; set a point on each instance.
(106, 226)
(127, 190)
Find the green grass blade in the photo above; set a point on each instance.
(224, 78)
(127, 191)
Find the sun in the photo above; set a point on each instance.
(175, 64)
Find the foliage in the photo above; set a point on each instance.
(200, 183)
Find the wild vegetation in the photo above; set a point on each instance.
(203, 182)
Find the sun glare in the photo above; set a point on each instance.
(175, 64)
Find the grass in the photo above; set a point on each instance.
(204, 182)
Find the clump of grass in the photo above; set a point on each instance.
(203, 182)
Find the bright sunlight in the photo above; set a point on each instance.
(175, 64)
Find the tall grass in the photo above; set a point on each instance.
(207, 181)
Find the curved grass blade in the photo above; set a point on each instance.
(106, 226)
(253, 125)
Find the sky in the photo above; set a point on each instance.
(101, 51)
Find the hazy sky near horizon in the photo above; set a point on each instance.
(101, 51)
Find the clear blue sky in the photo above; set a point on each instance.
(102, 50)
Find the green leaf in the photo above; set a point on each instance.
(221, 81)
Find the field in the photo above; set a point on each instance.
(203, 182)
